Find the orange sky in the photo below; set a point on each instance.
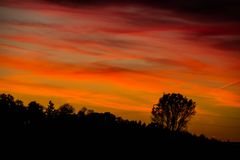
(122, 59)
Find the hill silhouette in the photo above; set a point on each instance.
(37, 124)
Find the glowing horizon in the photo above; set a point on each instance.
(122, 58)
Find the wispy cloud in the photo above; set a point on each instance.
(236, 83)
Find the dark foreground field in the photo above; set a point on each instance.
(119, 142)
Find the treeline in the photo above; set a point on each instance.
(15, 116)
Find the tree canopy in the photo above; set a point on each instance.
(173, 111)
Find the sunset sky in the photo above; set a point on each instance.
(121, 56)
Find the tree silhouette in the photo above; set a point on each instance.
(50, 111)
(7, 103)
(35, 113)
(66, 109)
(35, 109)
(173, 112)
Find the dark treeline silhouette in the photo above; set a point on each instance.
(35, 123)
(13, 114)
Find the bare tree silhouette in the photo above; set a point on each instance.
(173, 112)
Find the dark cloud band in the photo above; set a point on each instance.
(223, 10)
